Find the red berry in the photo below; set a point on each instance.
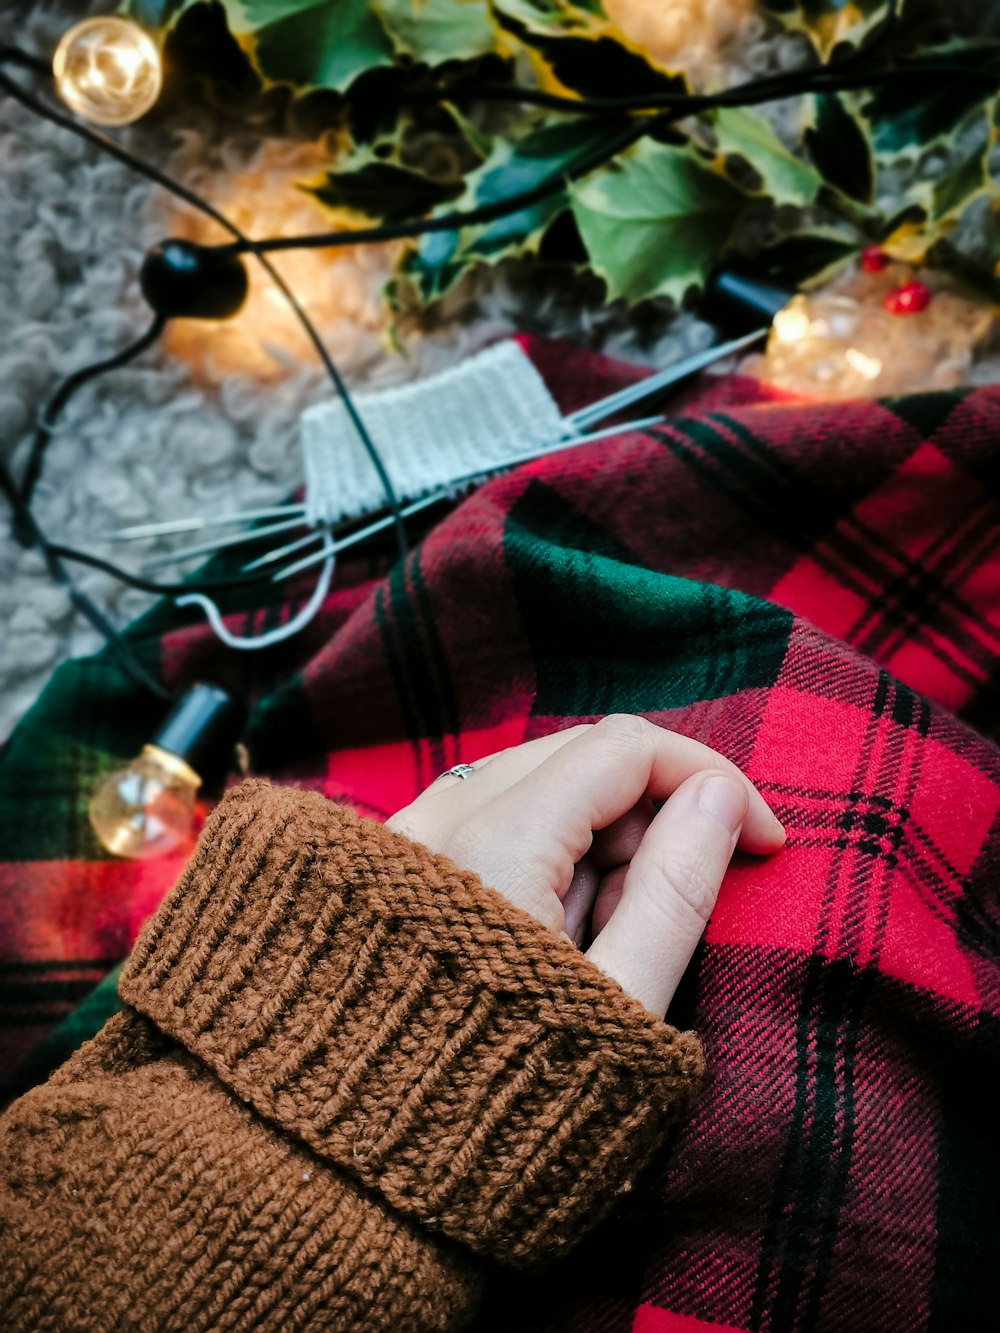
(874, 259)
(909, 299)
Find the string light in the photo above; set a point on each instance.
(792, 324)
(108, 71)
(874, 332)
(147, 808)
(868, 367)
(341, 289)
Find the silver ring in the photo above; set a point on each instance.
(462, 771)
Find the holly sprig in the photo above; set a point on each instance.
(654, 219)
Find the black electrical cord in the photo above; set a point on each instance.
(48, 420)
(13, 55)
(491, 91)
(26, 527)
(177, 589)
(58, 572)
(815, 80)
(683, 105)
(246, 245)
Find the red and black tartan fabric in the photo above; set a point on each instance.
(812, 590)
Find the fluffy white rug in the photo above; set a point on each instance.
(208, 419)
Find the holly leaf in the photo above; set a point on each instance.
(807, 258)
(433, 31)
(945, 198)
(441, 257)
(913, 115)
(654, 223)
(311, 43)
(154, 13)
(583, 50)
(827, 23)
(554, 16)
(198, 44)
(784, 177)
(838, 144)
(383, 191)
(967, 180)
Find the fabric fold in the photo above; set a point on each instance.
(409, 1025)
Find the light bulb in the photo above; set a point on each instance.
(849, 340)
(108, 70)
(868, 367)
(147, 808)
(793, 324)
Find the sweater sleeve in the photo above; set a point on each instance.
(348, 1080)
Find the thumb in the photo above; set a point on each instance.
(671, 887)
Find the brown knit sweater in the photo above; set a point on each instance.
(347, 1078)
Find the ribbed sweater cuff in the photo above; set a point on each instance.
(408, 1024)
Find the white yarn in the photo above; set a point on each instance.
(475, 415)
(271, 637)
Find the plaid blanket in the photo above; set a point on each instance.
(813, 590)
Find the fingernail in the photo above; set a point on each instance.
(724, 799)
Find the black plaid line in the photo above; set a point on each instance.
(896, 586)
(891, 832)
(864, 821)
(873, 825)
(919, 596)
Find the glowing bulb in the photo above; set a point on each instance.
(108, 71)
(792, 324)
(147, 808)
(868, 367)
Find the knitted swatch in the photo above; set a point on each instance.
(376, 1058)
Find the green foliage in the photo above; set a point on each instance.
(437, 30)
(808, 257)
(914, 115)
(512, 167)
(376, 189)
(837, 141)
(651, 221)
(828, 23)
(311, 43)
(785, 178)
(655, 221)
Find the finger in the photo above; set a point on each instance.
(602, 773)
(671, 888)
(579, 900)
(619, 842)
(607, 898)
(507, 766)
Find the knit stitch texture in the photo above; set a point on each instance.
(346, 1066)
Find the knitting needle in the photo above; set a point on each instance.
(361, 535)
(222, 543)
(604, 407)
(270, 557)
(172, 527)
(584, 417)
(446, 492)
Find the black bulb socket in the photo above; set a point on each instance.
(183, 280)
(202, 728)
(740, 299)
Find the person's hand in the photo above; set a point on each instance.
(566, 829)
